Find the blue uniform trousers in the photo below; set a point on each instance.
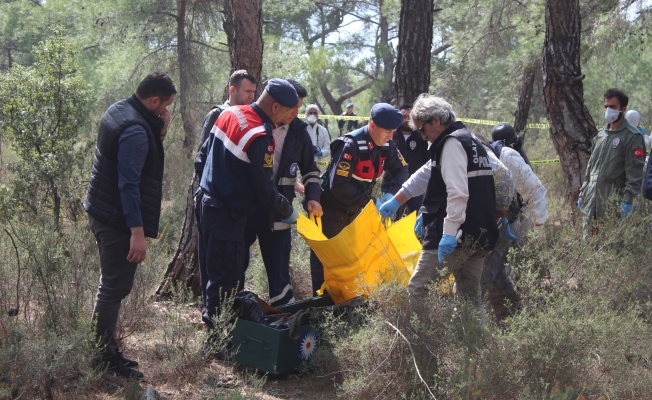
(332, 223)
(220, 252)
(275, 248)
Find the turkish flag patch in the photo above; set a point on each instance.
(270, 148)
(639, 152)
(347, 156)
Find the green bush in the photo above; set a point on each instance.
(583, 331)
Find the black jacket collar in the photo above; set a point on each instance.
(154, 122)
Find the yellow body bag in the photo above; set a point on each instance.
(364, 254)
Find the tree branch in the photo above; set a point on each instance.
(206, 45)
(167, 13)
(484, 36)
(363, 72)
(143, 59)
(353, 92)
(440, 49)
(414, 359)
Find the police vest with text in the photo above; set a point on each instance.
(479, 229)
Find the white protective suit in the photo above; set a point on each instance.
(528, 184)
(321, 139)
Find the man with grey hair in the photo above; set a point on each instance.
(459, 204)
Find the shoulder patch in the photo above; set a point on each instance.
(269, 161)
(347, 156)
(639, 152)
(400, 157)
(343, 169)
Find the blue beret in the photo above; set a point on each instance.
(386, 116)
(349, 105)
(283, 92)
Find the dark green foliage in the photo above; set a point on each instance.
(42, 108)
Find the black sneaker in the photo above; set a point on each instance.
(116, 366)
(125, 361)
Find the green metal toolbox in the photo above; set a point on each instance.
(271, 350)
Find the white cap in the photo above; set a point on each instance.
(633, 117)
(312, 107)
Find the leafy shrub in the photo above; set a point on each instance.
(583, 329)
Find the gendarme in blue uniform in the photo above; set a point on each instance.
(236, 163)
(356, 163)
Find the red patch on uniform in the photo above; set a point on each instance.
(347, 156)
(370, 145)
(270, 148)
(639, 152)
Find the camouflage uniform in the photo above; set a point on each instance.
(615, 168)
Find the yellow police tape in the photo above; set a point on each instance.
(467, 120)
(537, 162)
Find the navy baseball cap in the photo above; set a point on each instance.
(386, 116)
(283, 92)
(349, 105)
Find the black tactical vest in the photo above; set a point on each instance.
(103, 196)
(479, 229)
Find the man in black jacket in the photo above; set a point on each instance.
(414, 149)
(294, 153)
(123, 201)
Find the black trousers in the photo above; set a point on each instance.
(220, 252)
(332, 223)
(116, 280)
(275, 247)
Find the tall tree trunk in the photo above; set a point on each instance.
(525, 95)
(571, 125)
(243, 24)
(246, 51)
(385, 54)
(414, 43)
(183, 58)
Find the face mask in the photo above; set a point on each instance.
(311, 119)
(612, 115)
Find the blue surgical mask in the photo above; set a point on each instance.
(611, 115)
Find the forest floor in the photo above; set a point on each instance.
(167, 338)
(207, 377)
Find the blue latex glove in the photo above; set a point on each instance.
(319, 153)
(386, 197)
(292, 219)
(389, 208)
(579, 202)
(446, 246)
(418, 226)
(625, 209)
(505, 230)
